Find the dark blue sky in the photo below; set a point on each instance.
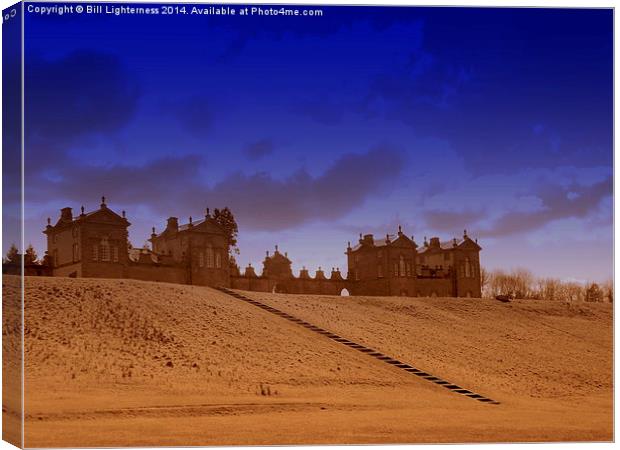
(316, 129)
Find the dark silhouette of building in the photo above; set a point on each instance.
(96, 244)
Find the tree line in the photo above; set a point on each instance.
(521, 283)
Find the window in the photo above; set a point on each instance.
(96, 252)
(402, 267)
(76, 252)
(218, 260)
(379, 253)
(408, 268)
(357, 275)
(209, 257)
(104, 250)
(201, 259)
(467, 268)
(74, 232)
(115, 253)
(396, 268)
(380, 271)
(446, 256)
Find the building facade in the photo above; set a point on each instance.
(96, 244)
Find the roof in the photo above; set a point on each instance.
(376, 242)
(448, 245)
(383, 242)
(195, 224)
(60, 223)
(444, 245)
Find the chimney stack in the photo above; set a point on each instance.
(173, 224)
(66, 214)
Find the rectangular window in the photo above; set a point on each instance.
(396, 269)
(201, 259)
(408, 268)
(380, 271)
(357, 275)
(76, 252)
(209, 257)
(115, 254)
(104, 252)
(218, 260)
(95, 252)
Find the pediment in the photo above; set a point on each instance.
(403, 242)
(104, 216)
(209, 226)
(468, 244)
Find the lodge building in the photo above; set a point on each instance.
(96, 244)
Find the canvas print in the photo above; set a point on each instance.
(230, 224)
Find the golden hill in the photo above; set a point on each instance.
(122, 362)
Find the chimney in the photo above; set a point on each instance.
(173, 224)
(66, 215)
(369, 239)
(434, 242)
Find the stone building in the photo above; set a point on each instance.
(95, 244)
(90, 244)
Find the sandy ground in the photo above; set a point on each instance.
(120, 362)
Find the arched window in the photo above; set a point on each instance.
(402, 266)
(467, 268)
(344, 293)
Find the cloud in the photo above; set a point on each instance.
(265, 203)
(451, 220)
(84, 92)
(259, 149)
(161, 183)
(176, 186)
(559, 202)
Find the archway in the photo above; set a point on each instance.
(278, 289)
(344, 292)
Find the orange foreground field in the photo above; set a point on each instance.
(121, 362)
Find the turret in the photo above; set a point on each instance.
(335, 275)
